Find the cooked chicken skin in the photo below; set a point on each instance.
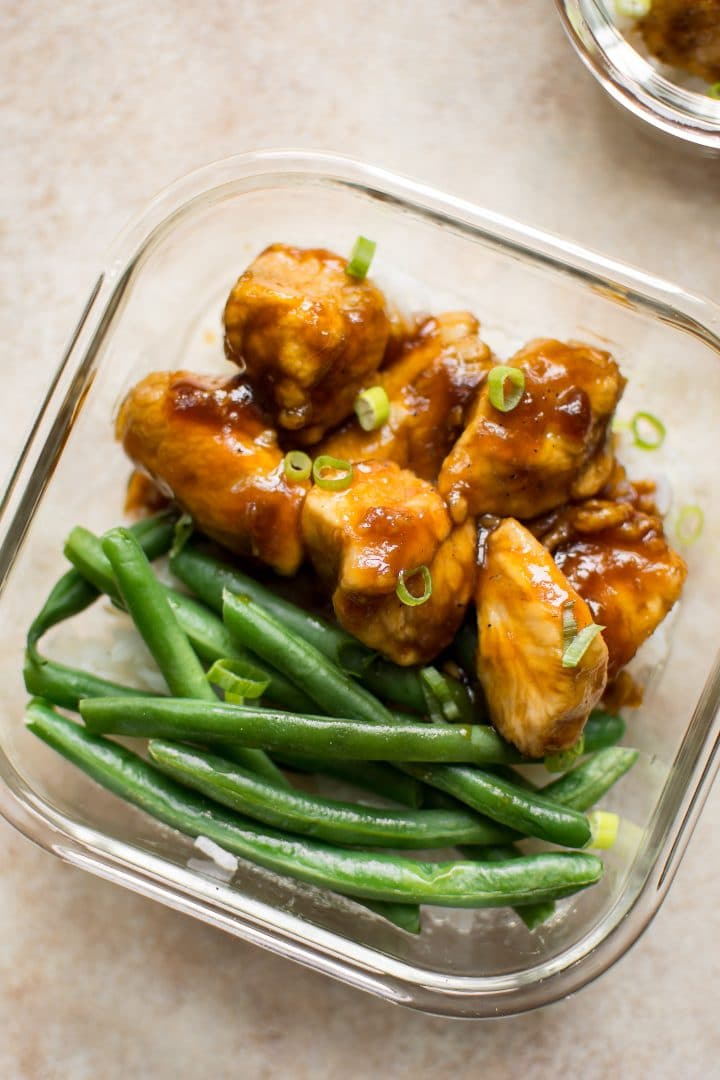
(620, 562)
(205, 442)
(686, 34)
(430, 384)
(307, 335)
(533, 701)
(553, 446)
(360, 539)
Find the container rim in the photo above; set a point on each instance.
(634, 83)
(360, 965)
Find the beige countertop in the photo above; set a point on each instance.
(102, 105)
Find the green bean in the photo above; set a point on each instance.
(586, 783)
(533, 915)
(67, 686)
(203, 722)
(73, 593)
(208, 578)
(334, 691)
(144, 598)
(372, 876)
(146, 602)
(602, 729)
(337, 822)
(208, 636)
(372, 776)
(508, 803)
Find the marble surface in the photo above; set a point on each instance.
(102, 104)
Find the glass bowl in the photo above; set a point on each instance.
(158, 304)
(668, 100)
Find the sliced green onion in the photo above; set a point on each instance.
(689, 524)
(360, 258)
(405, 596)
(297, 465)
(580, 644)
(432, 705)
(620, 425)
(438, 687)
(569, 626)
(604, 828)
(498, 379)
(565, 759)
(238, 679)
(324, 464)
(648, 432)
(183, 531)
(372, 408)
(714, 91)
(633, 9)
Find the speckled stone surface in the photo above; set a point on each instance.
(102, 104)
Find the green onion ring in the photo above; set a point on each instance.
(633, 9)
(372, 408)
(297, 466)
(338, 465)
(647, 440)
(438, 687)
(407, 597)
(714, 91)
(181, 534)
(604, 827)
(238, 679)
(689, 524)
(498, 378)
(360, 258)
(579, 645)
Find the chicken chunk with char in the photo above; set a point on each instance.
(204, 442)
(521, 596)
(430, 383)
(552, 447)
(307, 335)
(360, 539)
(613, 551)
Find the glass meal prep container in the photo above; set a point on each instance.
(665, 98)
(158, 304)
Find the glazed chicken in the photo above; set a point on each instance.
(430, 384)
(521, 595)
(307, 335)
(205, 442)
(685, 34)
(617, 558)
(403, 525)
(360, 539)
(553, 446)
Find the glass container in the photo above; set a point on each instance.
(666, 99)
(157, 304)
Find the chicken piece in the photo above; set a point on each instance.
(533, 700)
(685, 34)
(360, 539)
(307, 334)
(554, 445)
(430, 384)
(204, 442)
(618, 559)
